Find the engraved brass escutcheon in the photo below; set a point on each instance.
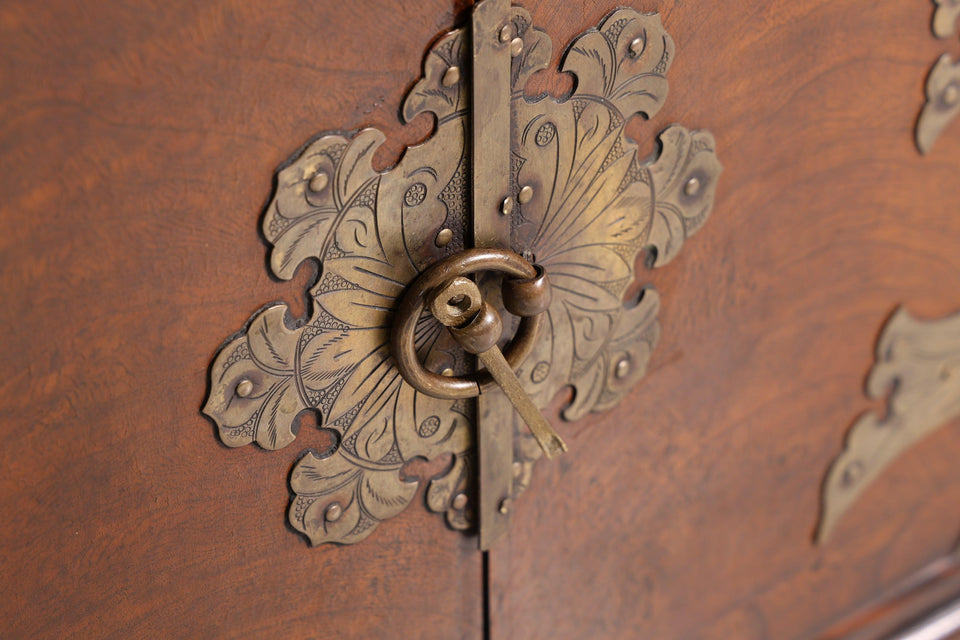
(550, 193)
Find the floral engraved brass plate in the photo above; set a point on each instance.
(583, 206)
(918, 365)
(945, 17)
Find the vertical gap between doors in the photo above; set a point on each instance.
(486, 595)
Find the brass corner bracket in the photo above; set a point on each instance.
(544, 204)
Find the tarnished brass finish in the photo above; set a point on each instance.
(495, 38)
(409, 316)
(943, 81)
(943, 102)
(945, 17)
(477, 326)
(918, 365)
(552, 182)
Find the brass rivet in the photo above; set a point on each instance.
(333, 512)
(451, 76)
(517, 469)
(516, 47)
(623, 368)
(506, 207)
(460, 501)
(444, 237)
(692, 187)
(505, 506)
(319, 181)
(244, 388)
(636, 47)
(447, 373)
(951, 95)
(506, 33)
(852, 473)
(525, 195)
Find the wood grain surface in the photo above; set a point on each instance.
(138, 142)
(137, 146)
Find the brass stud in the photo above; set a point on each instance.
(460, 501)
(447, 373)
(525, 195)
(517, 469)
(506, 33)
(451, 76)
(319, 181)
(444, 237)
(951, 95)
(852, 473)
(506, 207)
(516, 47)
(692, 187)
(505, 506)
(623, 368)
(244, 388)
(333, 512)
(636, 47)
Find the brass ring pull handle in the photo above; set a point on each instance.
(501, 171)
(415, 300)
(457, 303)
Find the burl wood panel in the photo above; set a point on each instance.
(689, 511)
(137, 143)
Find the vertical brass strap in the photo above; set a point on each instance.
(492, 205)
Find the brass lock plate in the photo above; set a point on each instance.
(555, 182)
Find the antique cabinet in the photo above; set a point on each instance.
(139, 144)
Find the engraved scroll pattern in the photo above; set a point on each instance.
(597, 206)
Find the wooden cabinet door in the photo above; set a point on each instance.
(138, 143)
(690, 510)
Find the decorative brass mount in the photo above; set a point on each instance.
(943, 81)
(545, 202)
(918, 370)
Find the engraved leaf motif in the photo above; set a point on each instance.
(596, 207)
(339, 499)
(535, 52)
(367, 228)
(685, 175)
(331, 177)
(263, 361)
(633, 338)
(440, 90)
(624, 61)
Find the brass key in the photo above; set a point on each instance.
(477, 326)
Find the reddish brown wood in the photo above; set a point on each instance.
(137, 142)
(909, 602)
